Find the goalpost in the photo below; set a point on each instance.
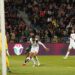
(2, 26)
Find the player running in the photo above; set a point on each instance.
(72, 43)
(34, 50)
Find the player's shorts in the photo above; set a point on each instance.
(34, 49)
(72, 46)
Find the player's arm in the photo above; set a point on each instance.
(7, 52)
(43, 45)
(6, 46)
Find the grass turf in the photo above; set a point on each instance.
(50, 65)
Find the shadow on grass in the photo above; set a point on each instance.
(18, 73)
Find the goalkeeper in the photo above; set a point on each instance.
(7, 53)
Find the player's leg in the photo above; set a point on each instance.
(32, 59)
(34, 62)
(27, 54)
(36, 58)
(68, 52)
(28, 58)
(8, 65)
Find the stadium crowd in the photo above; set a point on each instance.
(52, 20)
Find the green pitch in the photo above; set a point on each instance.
(50, 65)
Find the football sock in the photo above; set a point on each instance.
(67, 54)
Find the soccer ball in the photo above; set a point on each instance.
(18, 49)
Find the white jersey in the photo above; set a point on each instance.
(72, 41)
(35, 45)
(72, 38)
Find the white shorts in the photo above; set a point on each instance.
(34, 49)
(72, 46)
